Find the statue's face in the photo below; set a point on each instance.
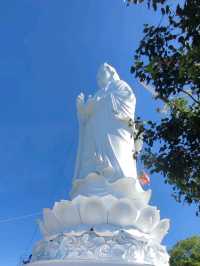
(103, 76)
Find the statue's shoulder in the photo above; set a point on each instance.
(123, 85)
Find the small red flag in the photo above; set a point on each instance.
(144, 179)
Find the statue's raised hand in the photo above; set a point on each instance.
(80, 102)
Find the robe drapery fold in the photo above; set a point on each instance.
(106, 144)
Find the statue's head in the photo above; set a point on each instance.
(105, 74)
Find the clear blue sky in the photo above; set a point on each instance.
(49, 52)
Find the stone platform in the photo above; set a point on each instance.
(89, 248)
(84, 263)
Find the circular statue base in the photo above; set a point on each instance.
(89, 248)
(85, 263)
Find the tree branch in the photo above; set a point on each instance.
(189, 94)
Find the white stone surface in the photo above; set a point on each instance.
(97, 185)
(106, 143)
(86, 212)
(108, 220)
(93, 212)
(84, 263)
(122, 213)
(120, 247)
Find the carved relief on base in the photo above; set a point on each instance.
(120, 247)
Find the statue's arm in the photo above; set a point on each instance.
(138, 141)
(80, 106)
(84, 109)
(123, 102)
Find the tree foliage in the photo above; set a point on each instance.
(150, 3)
(168, 58)
(186, 252)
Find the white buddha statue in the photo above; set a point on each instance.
(108, 218)
(106, 124)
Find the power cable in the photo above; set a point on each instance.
(24, 255)
(20, 217)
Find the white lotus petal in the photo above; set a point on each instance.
(93, 211)
(78, 201)
(138, 204)
(93, 184)
(125, 187)
(67, 214)
(43, 230)
(108, 201)
(122, 213)
(145, 197)
(148, 219)
(98, 185)
(51, 223)
(161, 230)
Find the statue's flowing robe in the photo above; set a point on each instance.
(106, 143)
